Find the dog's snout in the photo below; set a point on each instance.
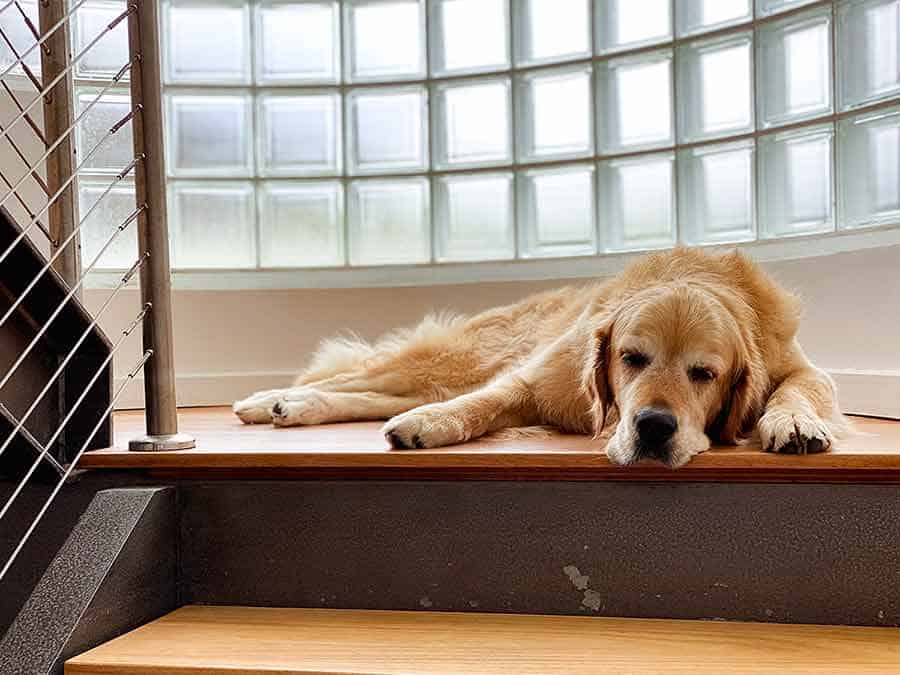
(655, 426)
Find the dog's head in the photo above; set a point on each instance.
(670, 368)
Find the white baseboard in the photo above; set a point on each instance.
(207, 389)
(862, 392)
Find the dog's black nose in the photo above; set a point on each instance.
(655, 426)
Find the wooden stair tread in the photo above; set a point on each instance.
(233, 640)
(227, 448)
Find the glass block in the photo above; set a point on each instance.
(388, 129)
(110, 53)
(635, 102)
(637, 203)
(552, 30)
(716, 202)
(301, 224)
(698, 16)
(299, 135)
(195, 53)
(473, 123)
(626, 24)
(389, 222)
(869, 168)
(716, 97)
(116, 152)
(769, 7)
(795, 182)
(17, 32)
(385, 39)
(557, 210)
(469, 36)
(100, 219)
(794, 78)
(869, 51)
(210, 135)
(475, 217)
(297, 42)
(212, 224)
(555, 116)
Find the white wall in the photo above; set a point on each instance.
(229, 343)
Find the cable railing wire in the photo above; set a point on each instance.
(63, 136)
(15, 52)
(45, 448)
(28, 118)
(72, 291)
(28, 22)
(90, 393)
(75, 231)
(50, 31)
(62, 188)
(71, 467)
(69, 67)
(37, 177)
(34, 174)
(28, 210)
(74, 350)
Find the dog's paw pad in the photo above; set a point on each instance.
(307, 407)
(256, 409)
(396, 440)
(794, 434)
(426, 427)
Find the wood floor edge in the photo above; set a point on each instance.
(284, 641)
(228, 449)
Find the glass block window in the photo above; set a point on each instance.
(358, 133)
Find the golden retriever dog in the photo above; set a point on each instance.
(681, 350)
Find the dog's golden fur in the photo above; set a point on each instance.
(710, 340)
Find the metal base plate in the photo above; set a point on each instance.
(162, 443)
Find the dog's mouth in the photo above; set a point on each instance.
(661, 453)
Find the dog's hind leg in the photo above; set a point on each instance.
(304, 406)
(433, 362)
(380, 391)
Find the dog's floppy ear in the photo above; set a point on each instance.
(744, 399)
(596, 376)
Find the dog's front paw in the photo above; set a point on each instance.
(794, 433)
(429, 426)
(301, 408)
(257, 409)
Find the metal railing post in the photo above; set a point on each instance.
(59, 114)
(153, 236)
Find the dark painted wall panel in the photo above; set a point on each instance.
(822, 554)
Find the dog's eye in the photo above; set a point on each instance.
(635, 359)
(701, 374)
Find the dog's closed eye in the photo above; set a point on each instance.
(636, 360)
(701, 374)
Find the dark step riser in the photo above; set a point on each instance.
(788, 553)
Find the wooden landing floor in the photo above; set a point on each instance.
(227, 448)
(244, 640)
